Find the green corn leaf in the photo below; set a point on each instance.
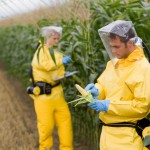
(40, 47)
(75, 100)
(83, 99)
(61, 52)
(89, 97)
(81, 102)
(51, 50)
(38, 52)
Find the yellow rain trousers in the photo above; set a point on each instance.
(51, 109)
(127, 86)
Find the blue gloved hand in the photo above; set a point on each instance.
(94, 91)
(66, 59)
(100, 105)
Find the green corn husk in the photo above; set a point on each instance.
(83, 99)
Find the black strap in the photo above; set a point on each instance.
(56, 84)
(120, 124)
(147, 51)
(31, 75)
(139, 126)
(41, 83)
(30, 70)
(45, 88)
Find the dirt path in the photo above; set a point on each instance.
(18, 129)
(17, 117)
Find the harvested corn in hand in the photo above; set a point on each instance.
(85, 96)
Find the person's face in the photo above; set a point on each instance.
(53, 40)
(119, 49)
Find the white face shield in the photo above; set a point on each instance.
(50, 30)
(123, 29)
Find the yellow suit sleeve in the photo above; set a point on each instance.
(138, 107)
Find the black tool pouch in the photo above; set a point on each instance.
(30, 89)
(48, 88)
(45, 88)
(141, 124)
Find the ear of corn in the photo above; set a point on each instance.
(81, 90)
(85, 96)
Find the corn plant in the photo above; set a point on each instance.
(17, 48)
(81, 41)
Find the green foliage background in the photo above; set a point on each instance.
(81, 41)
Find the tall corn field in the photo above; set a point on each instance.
(81, 41)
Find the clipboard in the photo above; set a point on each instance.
(66, 76)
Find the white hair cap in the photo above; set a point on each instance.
(46, 31)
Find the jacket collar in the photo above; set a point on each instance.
(136, 55)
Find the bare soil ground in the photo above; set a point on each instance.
(18, 129)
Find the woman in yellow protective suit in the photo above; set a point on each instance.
(122, 92)
(50, 106)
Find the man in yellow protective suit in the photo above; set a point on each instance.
(50, 106)
(122, 92)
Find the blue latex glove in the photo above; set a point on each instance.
(66, 59)
(100, 105)
(94, 91)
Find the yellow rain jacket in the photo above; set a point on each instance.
(127, 86)
(51, 109)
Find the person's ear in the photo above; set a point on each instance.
(130, 43)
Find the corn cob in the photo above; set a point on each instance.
(85, 96)
(81, 90)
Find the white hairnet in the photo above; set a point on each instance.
(48, 30)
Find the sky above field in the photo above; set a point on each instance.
(10, 8)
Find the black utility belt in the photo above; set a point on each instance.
(139, 126)
(41, 88)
